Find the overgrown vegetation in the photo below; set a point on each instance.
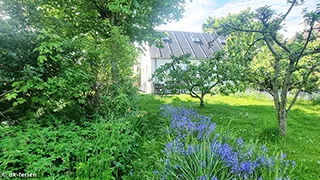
(97, 149)
(68, 109)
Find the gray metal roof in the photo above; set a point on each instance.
(178, 43)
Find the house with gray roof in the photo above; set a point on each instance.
(176, 43)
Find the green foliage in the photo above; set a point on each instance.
(183, 75)
(16, 48)
(69, 18)
(67, 104)
(64, 74)
(239, 45)
(51, 81)
(261, 73)
(99, 149)
(80, 56)
(117, 93)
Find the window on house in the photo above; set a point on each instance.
(166, 39)
(195, 39)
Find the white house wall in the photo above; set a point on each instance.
(156, 63)
(145, 62)
(176, 43)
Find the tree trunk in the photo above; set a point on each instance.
(201, 100)
(282, 109)
(282, 120)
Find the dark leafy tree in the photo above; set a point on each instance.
(64, 55)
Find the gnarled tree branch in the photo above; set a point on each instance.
(306, 44)
(305, 79)
(289, 10)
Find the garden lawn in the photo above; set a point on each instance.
(251, 117)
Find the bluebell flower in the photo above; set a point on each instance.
(203, 164)
(240, 141)
(214, 178)
(189, 150)
(249, 153)
(203, 177)
(270, 162)
(264, 149)
(186, 122)
(283, 155)
(164, 177)
(169, 148)
(210, 130)
(247, 167)
(263, 160)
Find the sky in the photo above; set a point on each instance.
(197, 11)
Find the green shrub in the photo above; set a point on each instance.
(101, 149)
(70, 76)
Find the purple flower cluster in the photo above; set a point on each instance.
(241, 163)
(185, 121)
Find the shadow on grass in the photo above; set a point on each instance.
(269, 135)
(153, 125)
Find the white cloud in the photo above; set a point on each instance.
(195, 15)
(199, 10)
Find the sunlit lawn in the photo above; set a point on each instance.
(254, 119)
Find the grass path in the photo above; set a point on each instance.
(253, 118)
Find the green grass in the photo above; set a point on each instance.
(254, 118)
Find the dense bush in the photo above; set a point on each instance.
(73, 58)
(102, 149)
(42, 73)
(69, 76)
(195, 151)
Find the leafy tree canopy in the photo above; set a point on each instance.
(294, 63)
(199, 79)
(136, 17)
(73, 56)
